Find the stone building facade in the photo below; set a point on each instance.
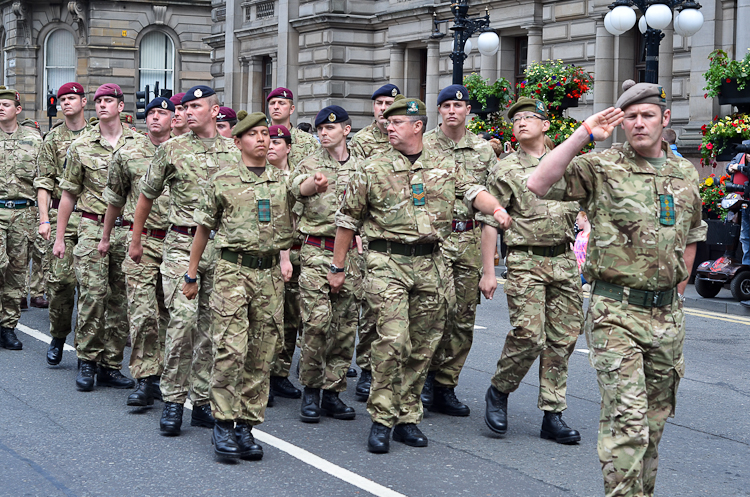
(339, 51)
(133, 43)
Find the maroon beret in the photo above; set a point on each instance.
(281, 92)
(226, 115)
(279, 131)
(177, 99)
(70, 89)
(108, 90)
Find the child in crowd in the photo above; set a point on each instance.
(581, 243)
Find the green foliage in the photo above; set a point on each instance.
(722, 69)
(480, 88)
(552, 80)
(720, 133)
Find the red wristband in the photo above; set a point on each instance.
(588, 128)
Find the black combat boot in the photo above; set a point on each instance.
(107, 377)
(86, 375)
(171, 419)
(428, 394)
(224, 440)
(144, 393)
(202, 416)
(9, 340)
(334, 407)
(310, 410)
(554, 428)
(362, 391)
(271, 399)
(55, 351)
(248, 448)
(446, 402)
(282, 387)
(351, 372)
(410, 434)
(496, 414)
(379, 440)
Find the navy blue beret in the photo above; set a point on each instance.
(200, 91)
(330, 115)
(453, 92)
(386, 91)
(160, 103)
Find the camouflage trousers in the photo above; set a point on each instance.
(545, 307)
(247, 309)
(147, 314)
(366, 326)
(284, 350)
(39, 254)
(637, 354)
(408, 297)
(187, 346)
(15, 227)
(329, 320)
(61, 280)
(464, 265)
(102, 330)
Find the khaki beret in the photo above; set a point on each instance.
(247, 121)
(403, 106)
(641, 93)
(10, 94)
(526, 104)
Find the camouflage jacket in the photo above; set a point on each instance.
(87, 166)
(317, 212)
(250, 213)
(536, 222)
(18, 163)
(642, 217)
(50, 165)
(185, 165)
(303, 145)
(403, 202)
(471, 154)
(123, 180)
(369, 141)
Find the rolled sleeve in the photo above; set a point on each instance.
(296, 182)
(113, 198)
(44, 183)
(697, 233)
(152, 183)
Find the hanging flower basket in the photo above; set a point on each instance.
(732, 94)
(720, 135)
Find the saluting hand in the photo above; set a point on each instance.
(321, 182)
(603, 123)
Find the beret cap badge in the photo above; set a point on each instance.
(164, 104)
(198, 93)
(459, 95)
(412, 108)
(394, 92)
(332, 117)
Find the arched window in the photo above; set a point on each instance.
(59, 59)
(157, 62)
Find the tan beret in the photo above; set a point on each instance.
(10, 94)
(641, 93)
(248, 121)
(406, 107)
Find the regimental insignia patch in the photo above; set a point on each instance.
(412, 108)
(666, 210)
(164, 104)
(540, 107)
(662, 94)
(418, 194)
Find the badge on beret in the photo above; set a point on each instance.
(412, 108)
(280, 132)
(75, 90)
(198, 93)
(394, 92)
(332, 117)
(18, 96)
(284, 93)
(540, 107)
(459, 95)
(163, 104)
(662, 93)
(220, 116)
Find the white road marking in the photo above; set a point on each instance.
(477, 327)
(583, 351)
(297, 452)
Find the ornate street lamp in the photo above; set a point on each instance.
(463, 28)
(657, 16)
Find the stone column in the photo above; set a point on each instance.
(254, 96)
(488, 66)
(275, 69)
(433, 76)
(535, 44)
(604, 71)
(231, 53)
(288, 48)
(245, 85)
(397, 66)
(742, 35)
(666, 61)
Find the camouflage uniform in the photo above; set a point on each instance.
(329, 320)
(147, 314)
(61, 282)
(366, 143)
(643, 217)
(17, 225)
(463, 257)
(102, 331)
(303, 145)
(543, 289)
(185, 164)
(253, 221)
(39, 248)
(407, 292)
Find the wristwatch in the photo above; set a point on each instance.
(681, 297)
(335, 269)
(188, 279)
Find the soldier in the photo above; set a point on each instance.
(184, 164)
(225, 120)
(101, 332)
(368, 142)
(147, 314)
(179, 122)
(543, 287)
(248, 205)
(645, 210)
(17, 169)
(280, 108)
(329, 321)
(406, 271)
(461, 251)
(61, 282)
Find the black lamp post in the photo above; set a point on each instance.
(463, 28)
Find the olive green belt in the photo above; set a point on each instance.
(642, 298)
(543, 251)
(248, 260)
(412, 249)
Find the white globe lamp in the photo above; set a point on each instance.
(642, 25)
(609, 27)
(623, 18)
(691, 21)
(658, 16)
(488, 43)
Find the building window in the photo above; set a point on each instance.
(59, 59)
(640, 58)
(423, 74)
(157, 62)
(264, 10)
(267, 77)
(522, 52)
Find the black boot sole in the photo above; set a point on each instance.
(286, 395)
(399, 438)
(11, 347)
(170, 432)
(309, 419)
(140, 402)
(224, 455)
(54, 363)
(449, 412)
(383, 449)
(571, 440)
(201, 423)
(86, 388)
(252, 455)
(495, 430)
(345, 416)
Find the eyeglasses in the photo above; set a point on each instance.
(396, 123)
(527, 118)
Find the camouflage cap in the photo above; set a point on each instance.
(403, 106)
(10, 94)
(641, 93)
(526, 104)
(248, 121)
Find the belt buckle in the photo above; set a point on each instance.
(461, 226)
(118, 221)
(413, 250)
(260, 262)
(212, 235)
(9, 204)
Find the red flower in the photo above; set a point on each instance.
(705, 95)
(709, 146)
(729, 80)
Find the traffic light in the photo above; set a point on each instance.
(141, 99)
(51, 105)
(166, 93)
